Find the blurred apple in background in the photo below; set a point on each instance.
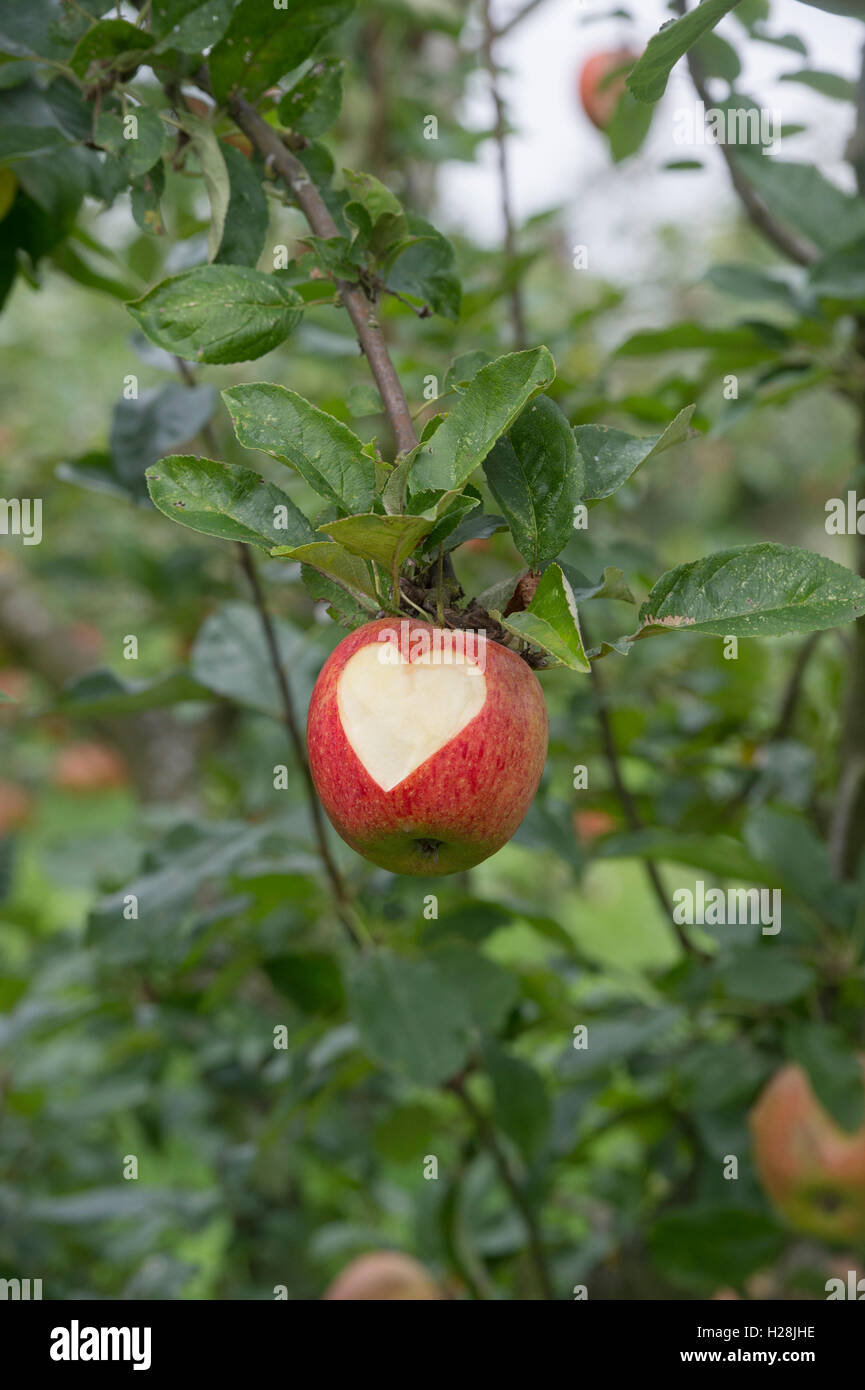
(383, 1276)
(602, 83)
(591, 825)
(16, 806)
(89, 767)
(812, 1170)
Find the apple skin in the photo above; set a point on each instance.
(16, 807)
(469, 796)
(89, 767)
(812, 1171)
(600, 98)
(384, 1276)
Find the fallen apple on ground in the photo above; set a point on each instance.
(812, 1170)
(602, 84)
(385, 1276)
(424, 765)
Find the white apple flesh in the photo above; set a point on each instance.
(425, 765)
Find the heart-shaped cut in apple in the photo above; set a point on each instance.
(396, 715)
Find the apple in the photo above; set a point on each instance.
(89, 767)
(426, 746)
(812, 1171)
(16, 805)
(87, 640)
(240, 142)
(383, 1276)
(592, 825)
(602, 83)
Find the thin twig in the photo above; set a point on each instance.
(500, 134)
(518, 18)
(786, 714)
(487, 1134)
(340, 892)
(783, 238)
(362, 313)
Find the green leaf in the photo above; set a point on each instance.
(423, 267)
(112, 45)
(246, 219)
(800, 861)
(231, 657)
(648, 77)
(488, 990)
(835, 1072)
(362, 400)
(409, 1017)
(24, 141)
(753, 285)
(218, 313)
(226, 500)
(312, 105)
(160, 419)
(705, 1246)
(841, 274)
(261, 44)
(336, 563)
(628, 127)
(310, 979)
(521, 1105)
(717, 58)
(190, 25)
(716, 854)
(214, 171)
(743, 341)
(34, 29)
(462, 522)
(101, 694)
(853, 8)
(801, 196)
(754, 590)
(828, 84)
(485, 411)
(323, 450)
(376, 214)
(388, 540)
(145, 200)
(610, 457)
(537, 476)
(611, 585)
(464, 368)
(342, 605)
(146, 147)
(551, 622)
(766, 975)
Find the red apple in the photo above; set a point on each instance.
(425, 765)
(592, 825)
(385, 1276)
(89, 767)
(812, 1171)
(16, 806)
(602, 83)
